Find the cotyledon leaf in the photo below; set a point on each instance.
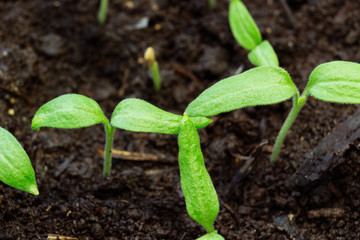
(69, 111)
(263, 55)
(140, 116)
(242, 25)
(337, 81)
(257, 86)
(15, 166)
(201, 200)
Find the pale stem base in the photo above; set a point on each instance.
(156, 76)
(109, 130)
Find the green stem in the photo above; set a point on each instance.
(156, 76)
(102, 11)
(109, 130)
(298, 102)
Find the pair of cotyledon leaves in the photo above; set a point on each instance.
(247, 34)
(336, 81)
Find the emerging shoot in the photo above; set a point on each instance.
(102, 11)
(247, 34)
(212, 3)
(153, 66)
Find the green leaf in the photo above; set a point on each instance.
(201, 122)
(15, 166)
(257, 86)
(201, 199)
(140, 116)
(242, 25)
(211, 236)
(263, 55)
(69, 111)
(336, 81)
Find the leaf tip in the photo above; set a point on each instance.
(33, 190)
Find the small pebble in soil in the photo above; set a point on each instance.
(52, 45)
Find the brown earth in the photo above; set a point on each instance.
(49, 48)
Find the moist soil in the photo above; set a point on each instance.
(49, 48)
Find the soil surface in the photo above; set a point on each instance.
(49, 48)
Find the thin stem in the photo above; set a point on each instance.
(102, 11)
(109, 130)
(297, 105)
(156, 75)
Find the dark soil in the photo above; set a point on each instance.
(49, 48)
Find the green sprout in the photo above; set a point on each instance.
(201, 199)
(246, 89)
(212, 3)
(15, 166)
(247, 34)
(102, 11)
(336, 81)
(153, 66)
(71, 111)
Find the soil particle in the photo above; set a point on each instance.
(16, 64)
(52, 45)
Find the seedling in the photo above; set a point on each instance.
(153, 66)
(247, 34)
(15, 166)
(212, 3)
(71, 111)
(246, 89)
(201, 199)
(336, 81)
(102, 11)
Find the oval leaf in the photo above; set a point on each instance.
(69, 111)
(201, 200)
(242, 25)
(263, 55)
(257, 86)
(15, 166)
(140, 116)
(336, 81)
